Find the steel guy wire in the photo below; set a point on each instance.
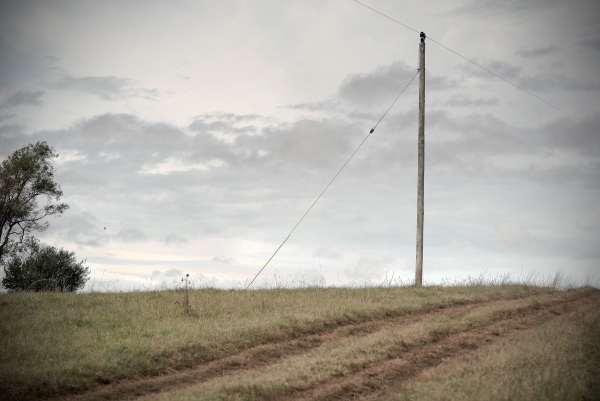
(333, 179)
(472, 62)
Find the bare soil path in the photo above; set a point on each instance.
(379, 379)
(372, 379)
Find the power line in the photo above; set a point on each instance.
(331, 182)
(388, 17)
(473, 62)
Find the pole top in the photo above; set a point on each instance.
(422, 35)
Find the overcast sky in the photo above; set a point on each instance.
(198, 133)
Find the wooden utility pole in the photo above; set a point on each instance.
(421, 174)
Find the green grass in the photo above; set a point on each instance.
(54, 344)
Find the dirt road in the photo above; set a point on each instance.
(361, 360)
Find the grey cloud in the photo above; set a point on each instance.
(511, 8)
(131, 235)
(51, 59)
(468, 101)
(6, 117)
(326, 254)
(223, 260)
(436, 82)
(377, 86)
(512, 235)
(17, 65)
(173, 273)
(22, 97)
(11, 136)
(245, 192)
(464, 145)
(106, 88)
(230, 117)
(504, 69)
(309, 142)
(81, 228)
(548, 82)
(325, 105)
(538, 52)
(567, 134)
(542, 82)
(369, 266)
(173, 239)
(385, 83)
(591, 43)
(587, 176)
(135, 141)
(201, 125)
(591, 254)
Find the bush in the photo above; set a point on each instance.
(44, 269)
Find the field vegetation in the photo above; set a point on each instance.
(496, 339)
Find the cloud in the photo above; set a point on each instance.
(106, 87)
(468, 101)
(173, 273)
(548, 82)
(22, 97)
(512, 235)
(326, 254)
(131, 235)
(502, 68)
(538, 52)
(567, 134)
(18, 63)
(384, 84)
(378, 85)
(223, 260)
(6, 117)
(459, 245)
(311, 142)
(51, 59)
(229, 117)
(82, 228)
(511, 8)
(369, 266)
(173, 239)
(591, 43)
(325, 105)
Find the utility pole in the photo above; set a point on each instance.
(421, 174)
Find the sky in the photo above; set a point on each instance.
(193, 136)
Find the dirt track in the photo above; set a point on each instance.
(371, 379)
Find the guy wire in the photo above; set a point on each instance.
(330, 182)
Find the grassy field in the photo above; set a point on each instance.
(455, 342)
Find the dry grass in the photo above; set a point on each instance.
(65, 343)
(331, 371)
(558, 361)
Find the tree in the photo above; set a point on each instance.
(44, 269)
(24, 176)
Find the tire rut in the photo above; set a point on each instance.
(268, 354)
(381, 377)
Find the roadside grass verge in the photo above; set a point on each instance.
(52, 344)
(353, 365)
(558, 361)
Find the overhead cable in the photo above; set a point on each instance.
(472, 62)
(330, 182)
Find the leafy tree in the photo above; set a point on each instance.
(44, 269)
(24, 176)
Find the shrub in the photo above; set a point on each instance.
(44, 269)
